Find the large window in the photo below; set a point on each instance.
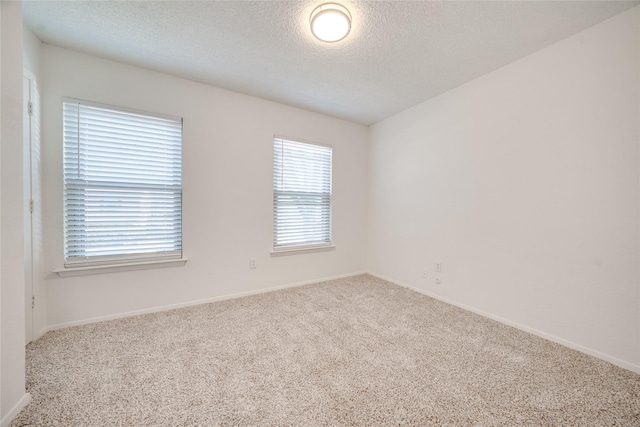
(122, 185)
(301, 195)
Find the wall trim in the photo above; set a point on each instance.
(599, 355)
(570, 344)
(114, 268)
(13, 412)
(158, 309)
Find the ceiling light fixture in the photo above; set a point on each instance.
(330, 22)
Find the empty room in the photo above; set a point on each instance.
(301, 213)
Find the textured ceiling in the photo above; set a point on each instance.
(398, 54)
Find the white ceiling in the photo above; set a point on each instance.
(398, 54)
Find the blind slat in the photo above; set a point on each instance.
(122, 185)
(301, 194)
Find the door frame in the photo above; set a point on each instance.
(28, 80)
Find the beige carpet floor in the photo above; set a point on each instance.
(354, 351)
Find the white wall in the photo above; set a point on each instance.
(227, 190)
(13, 396)
(525, 184)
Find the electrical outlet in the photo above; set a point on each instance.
(425, 273)
(438, 281)
(439, 266)
(252, 263)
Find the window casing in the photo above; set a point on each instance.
(301, 195)
(122, 185)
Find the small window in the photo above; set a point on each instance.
(122, 185)
(301, 195)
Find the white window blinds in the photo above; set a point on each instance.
(122, 185)
(301, 194)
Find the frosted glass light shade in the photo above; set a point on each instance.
(330, 22)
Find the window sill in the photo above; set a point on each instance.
(307, 249)
(113, 268)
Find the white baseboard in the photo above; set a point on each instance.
(13, 412)
(41, 333)
(190, 303)
(618, 362)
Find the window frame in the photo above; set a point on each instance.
(282, 249)
(77, 265)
